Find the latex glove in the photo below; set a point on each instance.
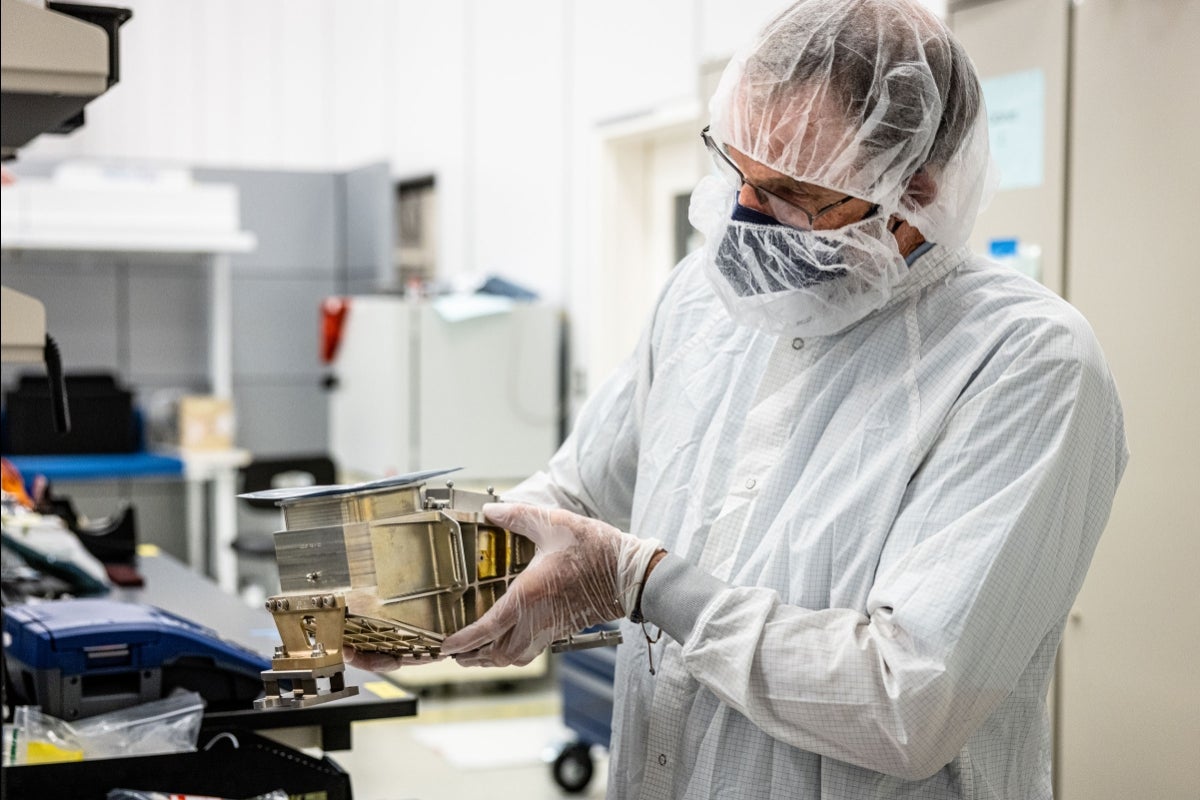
(584, 572)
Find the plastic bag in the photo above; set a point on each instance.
(170, 725)
(37, 738)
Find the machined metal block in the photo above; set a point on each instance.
(341, 509)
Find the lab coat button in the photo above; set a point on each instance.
(797, 343)
(662, 759)
(751, 483)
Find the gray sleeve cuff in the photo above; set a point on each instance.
(675, 594)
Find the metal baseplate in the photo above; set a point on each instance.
(394, 570)
(305, 689)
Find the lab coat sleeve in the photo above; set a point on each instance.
(595, 470)
(982, 563)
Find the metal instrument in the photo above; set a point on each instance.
(391, 569)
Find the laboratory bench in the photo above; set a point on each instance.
(260, 741)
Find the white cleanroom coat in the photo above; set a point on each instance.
(875, 537)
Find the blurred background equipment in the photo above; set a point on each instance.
(469, 381)
(55, 60)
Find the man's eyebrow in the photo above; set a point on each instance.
(786, 185)
(777, 184)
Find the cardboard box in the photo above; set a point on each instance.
(205, 423)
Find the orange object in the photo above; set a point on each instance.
(13, 484)
(333, 320)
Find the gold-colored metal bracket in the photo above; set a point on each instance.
(311, 628)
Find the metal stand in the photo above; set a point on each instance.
(311, 629)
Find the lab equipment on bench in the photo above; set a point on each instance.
(76, 658)
(389, 566)
(57, 58)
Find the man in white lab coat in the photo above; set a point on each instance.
(862, 471)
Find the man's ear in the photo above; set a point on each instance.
(922, 188)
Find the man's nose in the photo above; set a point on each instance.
(749, 198)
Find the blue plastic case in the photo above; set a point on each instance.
(76, 658)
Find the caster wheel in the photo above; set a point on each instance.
(573, 767)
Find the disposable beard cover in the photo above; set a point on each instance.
(783, 280)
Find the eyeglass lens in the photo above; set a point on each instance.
(786, 212)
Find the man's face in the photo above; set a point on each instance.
(804, 131)
(825, 209)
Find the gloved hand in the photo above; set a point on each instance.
(584, 572)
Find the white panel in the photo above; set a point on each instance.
(431, 129)
(415, 392)
(516, 212)
(488, 394)
(363, 94)
(254, 34)
(1131, 701)
(725, 26)
(631, 57)
(429, 83)
(369, 410)
(305, 133)
(219, 126)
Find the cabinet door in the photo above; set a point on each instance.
(1130, 700)
(1020, 50)
(1119, 178)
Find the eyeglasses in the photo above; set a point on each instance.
(785, 211)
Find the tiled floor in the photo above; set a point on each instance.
(450, 749)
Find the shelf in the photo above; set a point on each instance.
(131, 242)
(186, 464)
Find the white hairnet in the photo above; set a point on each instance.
(871, 98)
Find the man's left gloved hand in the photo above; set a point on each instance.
(585, 572)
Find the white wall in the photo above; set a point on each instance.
(503, 102)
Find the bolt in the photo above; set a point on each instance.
(285, 604)
(280, 651)
(314, 576)
(491, 490)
